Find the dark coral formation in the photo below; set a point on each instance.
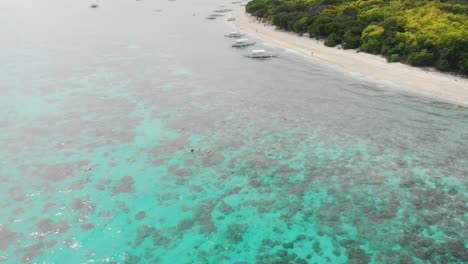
(358, 256)
(140, 215)
(213, 159)
(125, 185)
(62, 171)
(34, 250)
(84, 206)
(47, 226)
(7, 237)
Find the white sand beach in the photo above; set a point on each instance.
(430, 83)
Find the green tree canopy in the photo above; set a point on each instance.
(419, 32)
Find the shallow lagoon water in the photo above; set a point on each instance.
(292, 161)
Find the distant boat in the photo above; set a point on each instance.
(260, 54)
(241, 43)
(231, 19)
(224, 10)
(234, 34)
(94, 6)
(214, 16)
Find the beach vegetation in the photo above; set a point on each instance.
(418, 32)
(332, 40)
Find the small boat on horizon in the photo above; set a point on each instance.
(94, 6)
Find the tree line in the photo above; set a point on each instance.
(419, 32)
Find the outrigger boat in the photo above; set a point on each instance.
(241, 43)
(260, 54)
(234, 34)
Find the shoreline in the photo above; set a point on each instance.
(418, 81)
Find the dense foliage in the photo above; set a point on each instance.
(419, 32)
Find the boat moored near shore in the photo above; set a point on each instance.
(241, 43)
(260, 54)
(224, 10)
(234, 34)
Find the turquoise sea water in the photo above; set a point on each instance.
(135, 136)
